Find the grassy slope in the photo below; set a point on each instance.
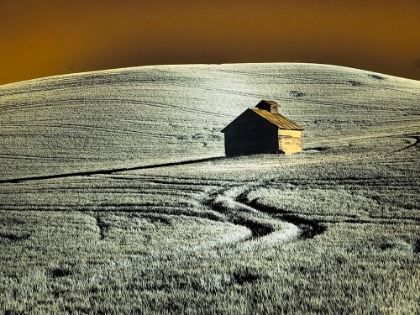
(146, 115)
(183, 237)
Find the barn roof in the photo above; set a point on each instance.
(269, 115)
(277, 119)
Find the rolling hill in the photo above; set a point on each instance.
(148, 115)
(116, 197)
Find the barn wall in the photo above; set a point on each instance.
(290, 141)
(250, 134)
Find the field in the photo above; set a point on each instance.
(116, 197)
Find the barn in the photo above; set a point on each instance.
(262, 130)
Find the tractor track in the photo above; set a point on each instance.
(265, 230)
(258, 229)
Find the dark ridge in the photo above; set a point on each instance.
(416, 247)
(257, 229)
(16, 237)
(103, 227)
(375, 76)
(156, 218)
(415, 144)
(106, 172)
(246, 275)
(296, 93)
(355, 83)
(319, 149)
(214, 205)
(310, 228)
(401, 246)
(59, 272)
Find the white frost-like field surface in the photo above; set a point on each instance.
(116, 197)
(150, 115)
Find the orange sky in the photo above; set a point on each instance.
(47, 37)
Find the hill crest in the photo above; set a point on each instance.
(157, 114)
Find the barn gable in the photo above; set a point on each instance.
(250, 134)
(242, 118)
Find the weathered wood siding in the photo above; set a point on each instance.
(290, 141)
(250, 134)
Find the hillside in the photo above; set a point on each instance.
(116, 197)
(148, 115)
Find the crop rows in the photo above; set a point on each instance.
(115, 196)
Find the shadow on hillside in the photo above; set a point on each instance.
(309, 227)
(414, 144)
(108, 171)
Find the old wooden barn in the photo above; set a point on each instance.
(262, 130)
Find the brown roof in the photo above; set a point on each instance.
(277, 119)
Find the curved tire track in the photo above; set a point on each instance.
(268, 227)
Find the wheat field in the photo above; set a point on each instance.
(116, 197)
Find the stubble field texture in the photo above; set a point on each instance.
(116, 197)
